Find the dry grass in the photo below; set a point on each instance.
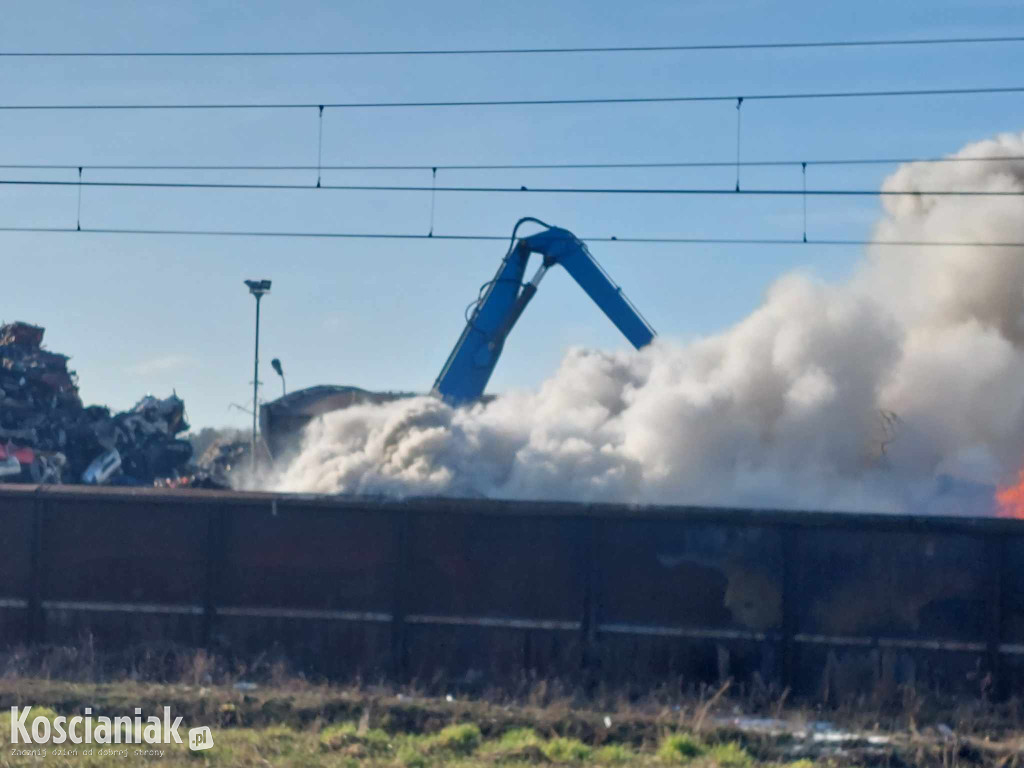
(870, 703)
(264, 714)
(347, 745)
(302, 724)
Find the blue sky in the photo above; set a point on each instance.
(149, 313)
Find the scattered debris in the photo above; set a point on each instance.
(221, 460)
(215, 467)
(103, 468)
(9, 465)
(48, 436)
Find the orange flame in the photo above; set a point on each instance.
(1010, 499)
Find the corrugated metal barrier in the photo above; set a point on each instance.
(490, 591)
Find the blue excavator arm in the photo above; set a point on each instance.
(503, 299)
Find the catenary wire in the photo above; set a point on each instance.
(903, 93)
(504, 238)
(510, 166)
(696, 191)
(521, 51)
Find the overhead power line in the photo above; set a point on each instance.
(527, 102)
(729, 191)
(504, 238)
(519, 51)
(512, 166)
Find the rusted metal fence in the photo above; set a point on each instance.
(486, 592)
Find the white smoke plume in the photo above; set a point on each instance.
(867, 395)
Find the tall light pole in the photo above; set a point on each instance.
(257, 288)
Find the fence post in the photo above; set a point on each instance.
(34, 625)
(590, 616)
(399, 607)
(995, 560)
(790, 590)
(214, 568)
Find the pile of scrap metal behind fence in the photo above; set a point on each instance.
(48, 436)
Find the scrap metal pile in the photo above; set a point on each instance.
(214, 469)
(48, 436)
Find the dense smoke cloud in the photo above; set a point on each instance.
(881, 393)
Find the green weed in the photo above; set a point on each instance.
(730, 755)
(462, 739)
(563, 750)
(614, 754)
(680, 748)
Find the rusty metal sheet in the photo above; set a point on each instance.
(123, 553)
(482, 592)
(307, 557)
(15, 545)
(699, 575)
(13, 622)
(891, 584)
(1013, 591)
(504, 567)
